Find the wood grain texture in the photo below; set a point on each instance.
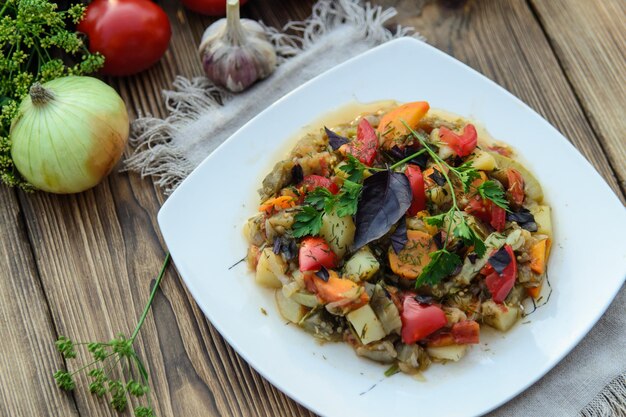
(592, 52)
(503, 40)
(94, 256)
(28, 357)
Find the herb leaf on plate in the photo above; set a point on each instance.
(385, 198)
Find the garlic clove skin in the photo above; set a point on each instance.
(235, 52)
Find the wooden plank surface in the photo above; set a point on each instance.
(28, 357)
(590, 41)
(88, 262)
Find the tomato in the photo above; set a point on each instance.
(314, 254)
(416, 180)
(499, 285)
(311, 182)
(463, 144)
(418, 321)
(209, 7)
(365, 146)
(515, 190)
(131, 34)
(466, 332)
(487, 212)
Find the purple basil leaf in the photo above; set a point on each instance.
(472, 258)
(524, 218)
(277, 245)
(397, 154)
(424, 299)
(438, 177)
(334, 140)
(323, 274)
(500, 260)
(385, 198)
(297, 175)
(399, 236)
(438, 239)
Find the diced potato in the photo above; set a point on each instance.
(366, 324)
(531, 185)
(269, 268)
(447, 353)
(338, 232)
(361, 266)
(483, 161)
(305, 298)
(543, 219)
(499, 316)
(288, 308)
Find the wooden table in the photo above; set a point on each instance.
(83, 265)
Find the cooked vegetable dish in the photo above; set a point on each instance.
(401, 233)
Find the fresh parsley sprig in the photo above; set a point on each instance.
(116, 368)
(442, 262)
(308, 221)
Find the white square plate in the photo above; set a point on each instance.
(201, 223)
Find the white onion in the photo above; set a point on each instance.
(69, 134)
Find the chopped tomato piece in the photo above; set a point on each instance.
(463, 144)
(365, 146)
(500, 285)
(311, 182)
(515, 190)
(440, 338)
(416, 180)
(466, 332)
(498, 217)
(487, 212)
(419, 321)
(316, 253)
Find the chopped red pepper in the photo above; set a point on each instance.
(365, 146)
(463, 144)
(416, 180)
(515, 190)
(500, 285)
(488, 212)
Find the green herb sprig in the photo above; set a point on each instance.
(308, 221)
(116, 368)
(443, 262)
(36, 46)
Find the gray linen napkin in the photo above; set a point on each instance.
(590, 381)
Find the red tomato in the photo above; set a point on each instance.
(466, 332)
(487, 212)
(499, 285)
(515, 191)
(365, 146)
(416, 180)
(131, 34)
(418, 321)
(209, 7)
(463, 144)
(315, 253)
(311, 182)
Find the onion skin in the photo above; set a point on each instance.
(69, 135)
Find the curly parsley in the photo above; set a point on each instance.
(33, 34)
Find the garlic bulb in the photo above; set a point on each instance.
(235, 52)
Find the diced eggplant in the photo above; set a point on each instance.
(323, 325)
(382, 352)
(385, 310)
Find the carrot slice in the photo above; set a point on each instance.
(391, 125)
(278, 203)
(410, 261)
(335, 289)
(538, 256)
(534, 291)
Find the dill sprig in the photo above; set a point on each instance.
(116, 368)
(37, 46)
